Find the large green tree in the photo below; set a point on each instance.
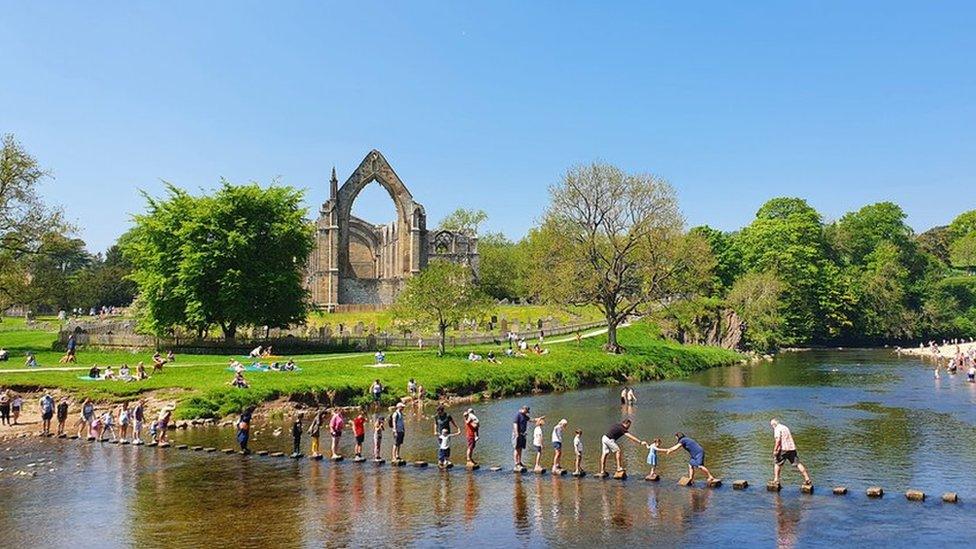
(503, 267)
(757, 298)
(463, 219)
(234, 258)
(443, 294)
(857, 234)
(962, 252)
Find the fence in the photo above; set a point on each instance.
(303, 345)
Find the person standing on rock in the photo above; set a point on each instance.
(62, 414)
(47, 413)
(138, 416)
(697, 453)
(314, 430)
(444, 422)
(336, 424)
(399, 430)
(519, 427)
(471, 432)
(610, 446)
(86, 419)
(5, 407)
(784, 449)
(244, 430)
(296, 435)
(359, 431)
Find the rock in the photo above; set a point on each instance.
(620, 475)
(653, 478)
(446, 466)
(840, 490)
(262, 452)
(197, 448)
(773, 487)
(359, 459)
(152, 443)
(62, 435)
(228, 450)
(494, 469)
(318, 457)
(950, 497)
(518, 469)
(181, 446)
(740, 484)
(539, 471)
(806, 488)
(915, 495)
(578, 474)
(685, 481)
(379, 461)
(559, 472)
(209, 450)
(420, 464)
(602, 475)
(277, 454)
(472, 466)
(714, 483)
(337, 458)
(164, 445)
(297, 456)
(875, 492)
(398, 462)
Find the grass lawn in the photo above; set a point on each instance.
(200, 382)
(523, 313)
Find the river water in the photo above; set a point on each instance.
(860, 418)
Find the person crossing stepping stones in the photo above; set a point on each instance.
(472, 427)
(696, 453)
(359, 431)
(336, 424)
(784, 449)
(296, 435)
(444, 422)
(397, 424)
(519, 426)
(610, 446)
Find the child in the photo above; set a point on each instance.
(359, 430)
(62, 415)
(313, 432)
(138, 416)
(557, 446)
(578, 449)
(444, 448)
(296, 435)
(378, 428)
(537, 438)
(971, 374)
(108, 424)
(653, 447)
(124, 422)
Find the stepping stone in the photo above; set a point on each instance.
(840, 490)
(262, 452)
(124, 442)
(73, 437)
(559, 472)
(228, 450)
(398, 463)
(164, 445)
(740, 484)
(773, 487)
(359, 459)
(653, 478)
(519, 469)
(209, 450)
(445, 466)
(277, 454)
(337, 458)
(579, 474)
(91, 439)
(602, 475)
(297, 456)
(379, 461)
(494, 469)
(116, 441)
(714, 483)
(181, 446)
(197, 448)
(875, 492)
(472, 466)
(915, 495)
(806, 488)
(539, 471)
(620, 475)
(318, 457)
(62, 435)
(950, 497)
(420, 464)
(685, 481)
(151, 444)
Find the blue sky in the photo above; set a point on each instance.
(484, 105)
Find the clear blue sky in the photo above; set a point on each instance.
(484, 104)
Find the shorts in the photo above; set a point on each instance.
(398, 438)
(471, 443)
(443, 454)
(360, 438)
(518, 442)
(697, 460)
(557, 445)
(652, 459)
(783, 457)
(376, 397)
(609, 445)
(538, 449)
(46, 416)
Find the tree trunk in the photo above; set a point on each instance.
(442, 329)
(612, 346)
(230, 330)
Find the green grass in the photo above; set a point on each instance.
(199, 383)
(523, 313)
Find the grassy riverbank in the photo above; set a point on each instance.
(200, 383)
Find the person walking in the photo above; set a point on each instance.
(86, 419)
(519, 427)
(784, 449)
(399, 431)
(244, 430)
(377, 390)
(336, 424)
(610, 446)
(695, 452)
(138, 416)
(444, 422)
(471, 431)
(314, 430)
(557, 446)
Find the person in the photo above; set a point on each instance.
(162, 423)
(296, 435)
(557, 445)
(623, 396)
(443, 421)
(399, 430)
(335, 429)
(141, 371)
(108, 425)
(87, 417)
(124, 373)
(631, 396)
(784, 449)
(314, 431)
(652, 450)
(244, 429)
(289, 366)
(5, 407)
(471, 432)
(71, 354)
(16, 403)
(62, 414)
(96, 429)
(377, 390)
(610, 446)
(4, 355)
(444, 448)
(170, 356)
(421, 394)
(578, 450)
(94, 372)
(31, 360)
(519, 427)
(124, 417)
(255, 353)
(491, 357)
(47, 412)
(696, 453)
(378, 428)
(138, 416)
(108, 374)
(239, 381)
(158, 362)
(412, 388)
(537, 442)
(379, 357)
(359, 431)
(971, 373)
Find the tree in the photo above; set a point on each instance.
(464, 220)
(727, 255)
(503, 267)
(51, 270)
(443, 294)
(24, 219)
(935, 242)
(859, 233)
(962, 252)
(964, 224)
(106, 282)
(234, 258)
(756, 297)
(613, 240)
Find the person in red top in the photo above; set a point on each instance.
(471, 427)
(359, 430)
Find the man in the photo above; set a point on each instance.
(696, 453)
(377, 390)
(47, 412)
(519, 427)
(784, 449)
(615, 433)
(444, 422)
(396, 421)
(471, 431)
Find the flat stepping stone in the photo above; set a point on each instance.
(114, 441)
(714, 483)
(578, 474)
(494, 469)
(740, 484)
(123, 442)
(318, 457)
(262, 452)
(806, 488)
(337, 458)
(773, 487)
(472, 466)
(151, 444)
(62, 435)
(277, 454)
(209, 450)
(518, 469)
(379, 461)
(685, 481)
(297, 456)
(197, 448)
(398, 463)
(653, 478)
(445, 466)
(359, 459)
(915, 495)
(620, 475)
(539, 471)
(559, 472)
(228, 450)
(875, 492)
(840, 490)
(164, 445)
(420, 464)
(73, 437)
(950, 497)
(91, 439)
(602, 475)
(181, 446)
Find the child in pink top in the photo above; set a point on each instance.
(335, 428)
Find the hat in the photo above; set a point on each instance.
(469, 411)
(399, 405)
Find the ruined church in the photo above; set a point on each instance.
(357, 265)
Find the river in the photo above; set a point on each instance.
(860, 418)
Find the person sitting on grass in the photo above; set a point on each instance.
(473, 357)
(141, 371)
(170, 356)
(239, 381)
(490, 357)
(289, 366)
(4, 355)
(255, 353)
(380, 357)
(124, 373)
(267, 352)
(31, 361)
(158, 362)
(108, 373)
(236, 366)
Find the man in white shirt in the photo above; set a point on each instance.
(784, 449)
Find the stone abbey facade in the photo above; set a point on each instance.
(357, 263)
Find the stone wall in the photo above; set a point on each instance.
(365, 290)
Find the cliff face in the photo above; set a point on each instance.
(716, 327)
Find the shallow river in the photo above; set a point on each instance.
(860, 418)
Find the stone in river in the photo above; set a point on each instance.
(806, 488)
(950, 497)
(875, 492)
(685, 481)
(915, 495)
(773, 486)
(620, 475)
(714, 483)
(420, 464)
(840, 490)
(262, 452)
(740, 484)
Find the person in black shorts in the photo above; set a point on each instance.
(62, 415)
(784, 450)
(519, 427)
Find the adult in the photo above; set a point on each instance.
(62, 414)
(244, 430)
(5, 407)
(138, 416)
(4, 355)
(695, 452)
(399, 430)
(162, 423)
(471, 431)
(314, 431)
(16, 403)
(610, 446)
(377, 390)
(71, 355)
(47, 413)
(336, 424)
(87, 417)
(784, 449)
(519, 427)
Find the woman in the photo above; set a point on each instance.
(314, 430)
(87, 417)
(138, 414)
(15, 405)
(244, 430)
(335, 429)
(162, 423)
(5, 407)
(141, 371)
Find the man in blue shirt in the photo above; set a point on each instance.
(696, 453)
(519, 427)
